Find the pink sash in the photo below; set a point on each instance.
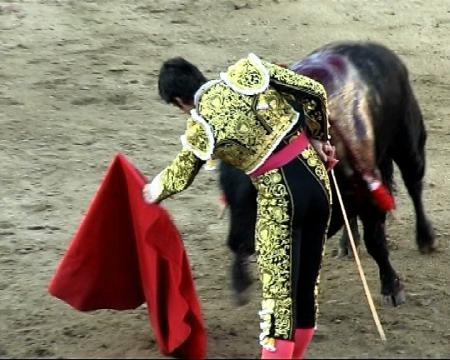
(282, 157)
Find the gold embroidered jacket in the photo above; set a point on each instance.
(241, 118)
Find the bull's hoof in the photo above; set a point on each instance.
(397, 296)
(426, 238)
(241, 280)
(427, 248)
(241, 298)
(342, 253)
(347, 252)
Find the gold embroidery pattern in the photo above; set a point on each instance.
(196, 134)
(273, 246)
(271, 108)
(313, 118)
(179, 174)
(243, 136)
(318, 115)
(317, 166)
(246, 77)
(302, 82)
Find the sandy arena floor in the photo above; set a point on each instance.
(78, 85)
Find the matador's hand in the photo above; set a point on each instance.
(326, 152)
(319, 146)
(148, 193)
(330, 151)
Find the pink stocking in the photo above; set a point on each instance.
(302, 339)
(284, 350)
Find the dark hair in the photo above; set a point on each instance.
(179, 78)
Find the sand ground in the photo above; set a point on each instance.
(78, 85)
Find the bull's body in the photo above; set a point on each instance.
(375, 121)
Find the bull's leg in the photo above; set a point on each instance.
(240, 196)
(412, 172)
(344, 242)
(424, 230)
(241, 241)
(409, 155)
(375, 239)
(240, 278)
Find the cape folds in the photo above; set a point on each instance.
(126, 253)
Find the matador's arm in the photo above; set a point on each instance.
(179, 175)
(310, 93)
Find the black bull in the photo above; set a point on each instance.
(399, 136)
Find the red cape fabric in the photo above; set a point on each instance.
(126, 252)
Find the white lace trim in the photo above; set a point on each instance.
(267, 343)
(211, 143)
(268, 347)
(265, 312)
(255, 61)
(202, 90)
(184, 143)
(263, 336)
(274, 146)
(187, 146)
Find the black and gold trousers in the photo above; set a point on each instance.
(292, 220)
